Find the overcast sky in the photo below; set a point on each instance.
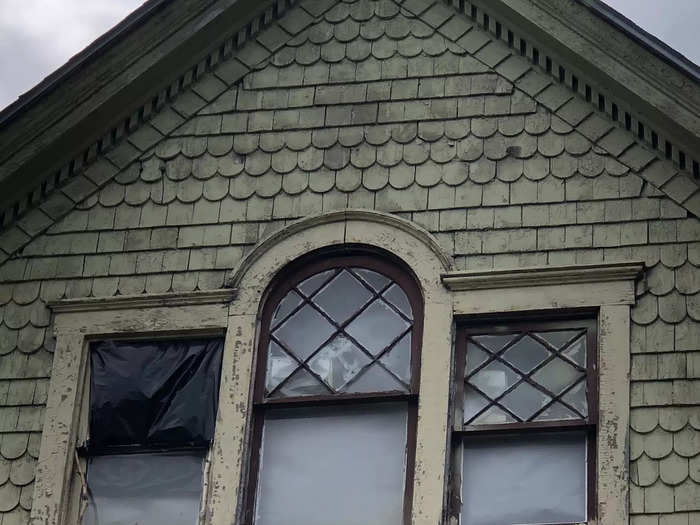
(38, 36)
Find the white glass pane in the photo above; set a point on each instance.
(336, 465)
(532, 479)
(157, 489)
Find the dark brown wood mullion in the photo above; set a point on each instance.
(492, 354)
(378, 295)
(339, 328)
(302, 365)
(375, 359)
(559, 398)
(560, 353)
(493, 401)
(304, 301)
(527, 377)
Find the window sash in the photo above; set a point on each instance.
(517, 324)
(285, 282)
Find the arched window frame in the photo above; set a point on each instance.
(288, 278)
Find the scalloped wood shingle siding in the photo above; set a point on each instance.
(366, 105)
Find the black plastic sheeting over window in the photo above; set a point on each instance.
(153, 394)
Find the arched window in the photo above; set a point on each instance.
(335, 395)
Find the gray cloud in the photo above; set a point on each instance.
(674, 23)
(38, 36)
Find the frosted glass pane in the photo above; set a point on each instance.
(301, 383)
(526, 354)
(556, 375)
(475, 358)
(374, 279)
(338, 362)
(524, 479)
(559, 338)
(494, 342)
(577, 352)
(398, 359)
(313, 283)
(396, 296)
(158, 489)
(374, 379)
(494, 379)
(525, 400)
(336, 465)
(304, 332)
(279, 366)
(288, 303)
(377, 326)
(342, 297)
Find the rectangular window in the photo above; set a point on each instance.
(525, 423)
(152, 414)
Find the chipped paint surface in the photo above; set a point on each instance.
(367, 105)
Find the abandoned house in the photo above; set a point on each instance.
(354, 262)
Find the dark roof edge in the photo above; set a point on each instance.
(117, 32)
(644, 38)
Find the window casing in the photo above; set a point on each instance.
(337, 321)
(520, 384)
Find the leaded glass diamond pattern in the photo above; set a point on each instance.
(344, 330)
(525, 376)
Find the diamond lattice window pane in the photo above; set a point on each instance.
(494, 416)
(525, 400)
(301, 383)
(526, 354)
(338, 361)
(494, 379)
(377, 326)
(396, 296)
(398, 359)
(576, 351)
(374, 279)
(494, 343)
(279, 365)
(555, 412)
(556, 375)
(304, 332)
(475, 357)
(375, 379)
(559, 338)
(288, 303)
(342, 297)
(313, 283)
(474, 402)
(576, 397)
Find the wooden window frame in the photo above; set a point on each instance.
(536, 322)
(77, 324)
(291, 276)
